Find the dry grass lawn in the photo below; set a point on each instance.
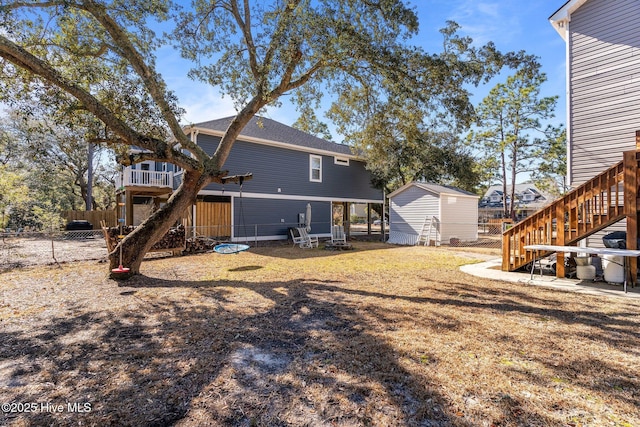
(377, 336)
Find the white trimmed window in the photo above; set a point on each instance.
(344, 161)
(315, 168)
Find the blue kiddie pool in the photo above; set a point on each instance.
(230, 248)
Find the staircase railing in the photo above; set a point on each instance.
(596, 204)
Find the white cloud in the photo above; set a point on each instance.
(489, 9)
(487, 21)
(203, 102)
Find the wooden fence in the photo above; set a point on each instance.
(94, 217)
(212, 219)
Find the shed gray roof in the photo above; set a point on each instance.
(434, 188)
(270, 130)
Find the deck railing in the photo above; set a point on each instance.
(142, 178)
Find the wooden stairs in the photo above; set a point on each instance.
(598, 203)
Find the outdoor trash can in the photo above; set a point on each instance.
(615, 240)
(78, 224)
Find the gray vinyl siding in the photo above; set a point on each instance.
(604, 46)
(595, 240)
(177, 180)
(409, 209)
(266, 215)
(283, 172)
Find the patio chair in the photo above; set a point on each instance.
(298, 239)
(303, 239)
(337, 235)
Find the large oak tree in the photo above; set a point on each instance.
(409, 135)
(98, 57)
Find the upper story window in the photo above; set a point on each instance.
(315, 168)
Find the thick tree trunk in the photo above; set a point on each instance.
(89, 196)
(84, 195)
(136, 244)
(505, 212)
(512, 207)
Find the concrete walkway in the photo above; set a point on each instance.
(491, 270)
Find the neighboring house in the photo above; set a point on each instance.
(455, 212)
(290, 170)
(528, 200)
(494, 196)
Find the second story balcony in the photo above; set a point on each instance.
(144, 178)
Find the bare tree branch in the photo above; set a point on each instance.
(282, 23)
(18, 5)
(152, 81)
(24, 59)
(245, 26)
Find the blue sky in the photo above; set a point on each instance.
(511, 24)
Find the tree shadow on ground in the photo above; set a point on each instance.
(233, 353)
(291, 354)
(293, 252)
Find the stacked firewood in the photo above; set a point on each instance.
(199, 245)
(172, 240)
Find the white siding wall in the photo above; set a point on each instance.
(409, 209)
(604, 46)
(458, 217)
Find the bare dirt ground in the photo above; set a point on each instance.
(281, 336)
(37, 249)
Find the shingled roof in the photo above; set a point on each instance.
(270, 130)
(435, 189)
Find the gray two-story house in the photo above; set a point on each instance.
(291, 170)
(603, 89)
(603, 119)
